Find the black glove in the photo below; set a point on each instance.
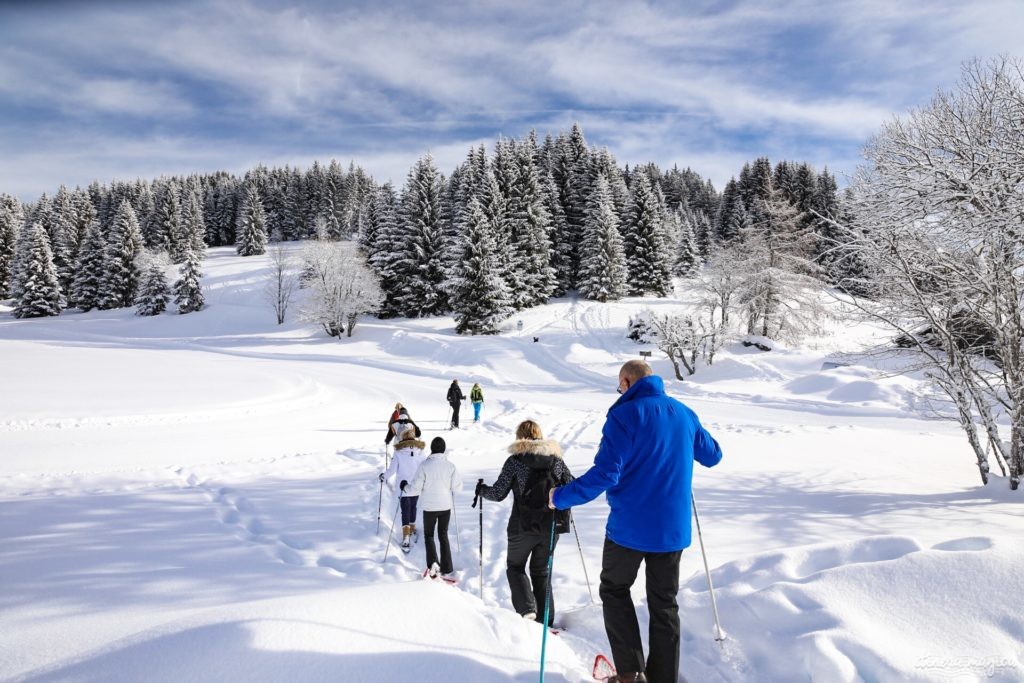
(479, 488)
(381, 477)
(403, 484)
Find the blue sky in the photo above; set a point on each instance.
(103, 90)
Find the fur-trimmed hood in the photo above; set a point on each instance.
(536, 447)
(414, 443)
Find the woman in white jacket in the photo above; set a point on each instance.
(404, 465)
(436, 481)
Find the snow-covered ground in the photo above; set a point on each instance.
(195, 498)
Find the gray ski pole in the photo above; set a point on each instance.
(450, 411)
(480, 499)
(582, 561)
(455, 514)
(380, 497)
(719, 635)
(391, 531)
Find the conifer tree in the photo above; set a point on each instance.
(480, 297)
(251, 226)
(647, 255)
(531, 278)
(121, 269)
(561, 250)
(193, 223)
(89, 273)
(602, 263)
(63, 236)
(10, 221)
(420, 267)
(37, 292)
(153, 290)
(188, 290)
(688, 259)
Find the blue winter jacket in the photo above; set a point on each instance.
(645, 464)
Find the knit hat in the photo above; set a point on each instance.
(437, 445)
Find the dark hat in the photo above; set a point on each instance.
(437, 445)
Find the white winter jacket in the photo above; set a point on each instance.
(435, 482)
(404, 463)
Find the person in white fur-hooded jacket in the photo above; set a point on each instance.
(406, 461)
(435, 482)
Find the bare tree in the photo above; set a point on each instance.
(939, 220)
(342, 286)
(686, 338)
(283, 280)
(780, 284)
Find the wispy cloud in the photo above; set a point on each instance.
(95, 90)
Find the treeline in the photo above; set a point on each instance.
(503, 232)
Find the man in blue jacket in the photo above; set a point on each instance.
(645, 466)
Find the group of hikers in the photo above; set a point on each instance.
(644, 466)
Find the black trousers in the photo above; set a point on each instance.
(619, 567)
(455, 413)
(529, 548)
(408, 504)
(440, 519)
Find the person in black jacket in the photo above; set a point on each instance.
(455, 399)
(399, 424)
(531, 456)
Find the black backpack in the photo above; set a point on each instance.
(534, 513)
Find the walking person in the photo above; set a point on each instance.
(435, 482)
(400, 421)
(645, 466)
(476, 397)
(533, 467)
(406, 461)
(455, 399)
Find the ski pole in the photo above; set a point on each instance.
(450, 411)
(391, 531)
(582, 561)
(478, 498)
(380, 497)
(547, 598)
(455, 514)
(719, 636)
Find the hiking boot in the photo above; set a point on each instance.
(434, 571)
(629, 678)
(530, 616)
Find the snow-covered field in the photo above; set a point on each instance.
(195, 498)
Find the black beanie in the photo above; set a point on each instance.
(437, 445)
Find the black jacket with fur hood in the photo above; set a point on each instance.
(527, 455)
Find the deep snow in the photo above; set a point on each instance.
(195, 498)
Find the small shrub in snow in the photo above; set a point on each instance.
(153, 290)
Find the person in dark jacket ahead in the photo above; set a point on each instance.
(645, 466)
(530, 452)
(455, 399)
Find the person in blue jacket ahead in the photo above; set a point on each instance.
(644, 465)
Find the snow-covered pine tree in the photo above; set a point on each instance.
(228, 191)
(37, 292)
(725, 222)
(188, 290)
(602, 274)
(647, 254)
(163, 228)
(480, 296)
(572, 174)
(63, 235)
(531, 228)
(251, 225)
(561, 250)
(192, 220)
(11, 218)
(153, 290)
(420, 267)
(90, 270)
(121, 269)
(687, 256)
(294, 226)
